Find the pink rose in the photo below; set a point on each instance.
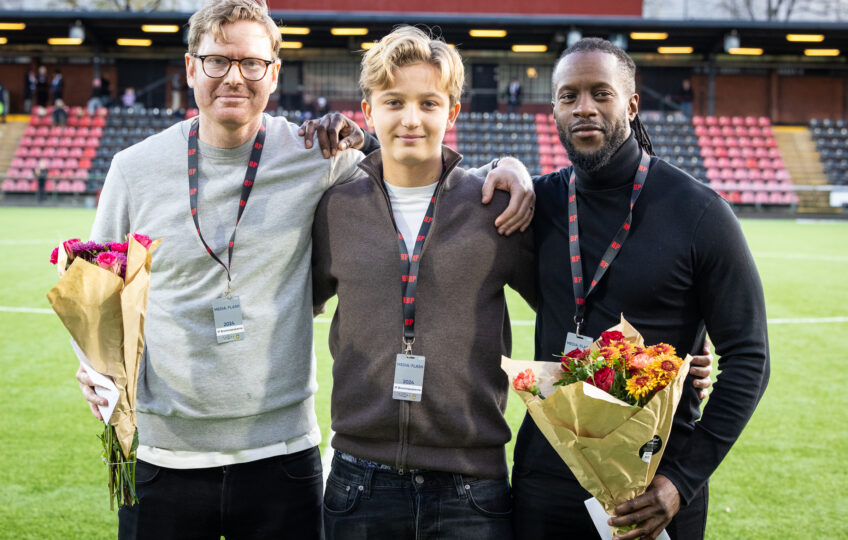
(54, 257)
(639, 362)
(526, 381)
(109, 261)
(603, 378)
(67, 246)
(143, 239)
(118, 247)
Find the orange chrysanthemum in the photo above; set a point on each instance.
(640, 385)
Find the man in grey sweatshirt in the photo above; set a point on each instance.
(227, 432)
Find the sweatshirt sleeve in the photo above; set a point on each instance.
(112, 221)
(731, 299)
(523, 278)
(323, 283)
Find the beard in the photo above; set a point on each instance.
(614, 135)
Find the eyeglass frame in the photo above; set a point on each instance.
(238, 61)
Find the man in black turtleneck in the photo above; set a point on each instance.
(683, 265)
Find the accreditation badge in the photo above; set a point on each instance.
(229, 325)
(409, 377)
(574, 341)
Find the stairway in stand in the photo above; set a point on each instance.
(805, 168)
(10, 136)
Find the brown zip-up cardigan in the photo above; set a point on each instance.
(461, 323)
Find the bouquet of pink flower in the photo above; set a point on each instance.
(101, 299)
(606, 410)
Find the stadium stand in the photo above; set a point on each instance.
(736, 156)
(831, 139)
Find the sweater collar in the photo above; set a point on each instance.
(373, 165)
(618, 172)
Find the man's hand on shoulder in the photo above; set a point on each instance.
(335, 132)
(651, 512)
(511, 175)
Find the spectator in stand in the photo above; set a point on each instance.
(42, 87)
(128, 99)
(60, 113)
(513, 96)
(29, 90)
(3, 103)
(686, 97)
(96, 100)
(41, 175)
(57, 86)
(106, 92)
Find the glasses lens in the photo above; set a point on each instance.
(252, 69)
(216, 66)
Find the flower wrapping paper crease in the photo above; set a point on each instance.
(597, 435)
(105, 316)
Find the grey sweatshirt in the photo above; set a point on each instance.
(194, 394)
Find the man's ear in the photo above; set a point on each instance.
(366, 110)
(632, 107)
(189, 70)
(452, 114)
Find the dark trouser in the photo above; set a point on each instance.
(40, 194)
(278, 497)
(363, 502)
(552, 507)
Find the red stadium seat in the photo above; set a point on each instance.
(761, 198)
(747, 197)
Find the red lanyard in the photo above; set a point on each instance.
(249, 178)
(612, 250)
(409, 265)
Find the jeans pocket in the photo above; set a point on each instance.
(146, 473)
(302, 466)
(490, 498)
(340, 498)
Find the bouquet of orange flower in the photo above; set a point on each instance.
(101, 299)
(606, 410)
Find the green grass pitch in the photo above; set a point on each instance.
(786, 477)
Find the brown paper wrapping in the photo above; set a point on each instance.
(105, 316)
(597, 435)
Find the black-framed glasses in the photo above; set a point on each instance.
(217, 66)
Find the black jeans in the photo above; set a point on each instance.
(278, 497)
(363, 502)
(552, 507)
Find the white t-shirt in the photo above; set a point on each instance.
(409, 205)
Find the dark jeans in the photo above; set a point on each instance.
(552, 507)
(365, 502)
(278, 497)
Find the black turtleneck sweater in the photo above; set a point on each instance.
(684, 265)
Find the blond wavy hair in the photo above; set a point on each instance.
(405, 46)
(216, 13)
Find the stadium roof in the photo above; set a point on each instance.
(706, 37)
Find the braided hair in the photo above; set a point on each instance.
(628, 68)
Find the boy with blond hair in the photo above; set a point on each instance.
(418, 394)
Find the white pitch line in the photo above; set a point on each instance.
(802, 256)
(25, 310)
(327, 320)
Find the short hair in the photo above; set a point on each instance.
(216, 13)
(593, 44)
(407, 45)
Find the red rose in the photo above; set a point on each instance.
(608, 337)
(576, 353)
(603, 378)
(54, 257)
(119, 247)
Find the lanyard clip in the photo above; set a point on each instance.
(578, 323)
(407, 346)
(229, 292)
